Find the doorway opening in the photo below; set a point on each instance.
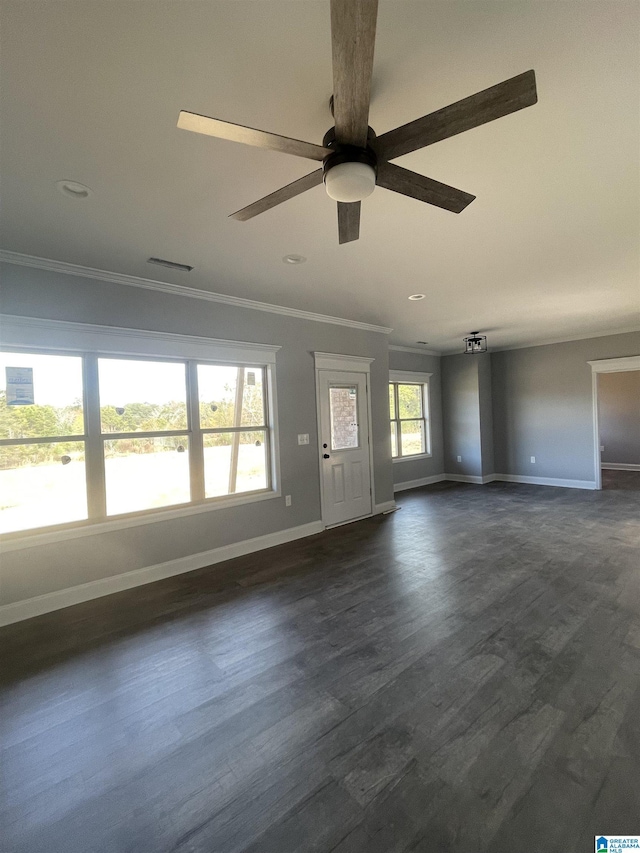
(616, 400)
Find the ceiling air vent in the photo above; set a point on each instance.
(171, 264)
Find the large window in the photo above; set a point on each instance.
(409, 415)
(90, 437)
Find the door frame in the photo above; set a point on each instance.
(337, 362)
(605, 365)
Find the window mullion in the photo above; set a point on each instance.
(196, 448)
(94, 448)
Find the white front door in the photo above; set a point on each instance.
(344, 446)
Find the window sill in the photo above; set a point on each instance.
(395, 459)
(75, 530)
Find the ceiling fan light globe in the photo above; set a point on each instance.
(349, 182)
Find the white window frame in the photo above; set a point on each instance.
(407, 377)
(54, 337)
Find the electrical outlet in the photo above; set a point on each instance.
(303, 438)
(533, 459)
(459, 458)
(287, 500)
(602, 448)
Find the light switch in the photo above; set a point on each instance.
(533, 458)
(303, 438)
(459, 458)
(287, 500)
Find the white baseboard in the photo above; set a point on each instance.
(545, 481)
(620, 466)
(416, 484)
(469, 478)
(387, 506)
(492, 478)
(30, 607)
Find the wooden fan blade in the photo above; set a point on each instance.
(400, 180)
(485, 106)
(283, 194)
(353, 35)
(250, 136)
(348, 221)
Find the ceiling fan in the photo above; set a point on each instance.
(355, 160)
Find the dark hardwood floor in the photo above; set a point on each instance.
(628, 480)
(462, 675)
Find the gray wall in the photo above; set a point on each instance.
(542, 406)
(619, 406)
(485, 405)
(38, 293)
(461, 415)
(407, 470)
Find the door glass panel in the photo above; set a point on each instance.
(343, 405)
(234, 462)
(412, 437)
(410, 401)
(144, 473)
(142, 396)
(42, 484)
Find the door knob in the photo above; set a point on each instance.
(325, 456)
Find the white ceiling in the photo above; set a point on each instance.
(549, 250)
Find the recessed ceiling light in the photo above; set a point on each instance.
(72, 189)
(417, 296)
(294, 259)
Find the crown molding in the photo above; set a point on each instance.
(181, 290)
(397, 348)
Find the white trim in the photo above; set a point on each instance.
(395, 459)
(545, 481)
(397, 348)
(387, 506)
(409, 376)
(30, 607)
(615, 365)
(180, 290)
(60, 334)
(492, 478)
(416, 484)
(469, 478)
(22, 539)
(336, 361)
(620, 466)
(605, 365)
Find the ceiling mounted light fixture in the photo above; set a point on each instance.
(72, 189)
(349, 181)
(294, 259)
(416, 296)
(475, 343)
